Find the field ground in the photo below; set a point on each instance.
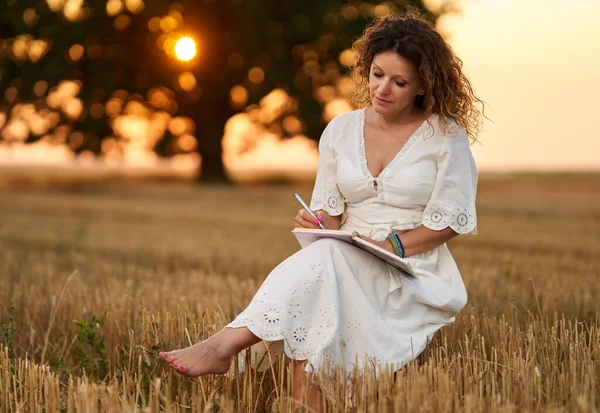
(96, 277)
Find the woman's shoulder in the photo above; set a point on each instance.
(444, 128)
(347, 118)
(344, 125)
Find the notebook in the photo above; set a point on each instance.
(307, 236)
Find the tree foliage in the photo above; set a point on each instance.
(120, 51)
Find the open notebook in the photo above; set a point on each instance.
(306, 236)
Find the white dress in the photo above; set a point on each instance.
(332, 303)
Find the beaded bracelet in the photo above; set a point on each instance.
(394, 247)
(399, 246)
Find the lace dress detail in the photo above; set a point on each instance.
(363, 151)
(299, 316)
(329, 200)
(361, 143)
(461, 216)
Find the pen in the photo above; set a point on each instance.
(312, 214)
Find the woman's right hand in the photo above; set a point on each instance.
(304, 220)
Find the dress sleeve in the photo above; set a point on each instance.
(452, 201)
(326, 195)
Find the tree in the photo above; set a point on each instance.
(119, 48)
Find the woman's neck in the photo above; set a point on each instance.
(407, 116)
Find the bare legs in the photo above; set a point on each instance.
(304, 391)
(211, 356)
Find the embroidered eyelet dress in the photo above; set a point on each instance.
(334, 303)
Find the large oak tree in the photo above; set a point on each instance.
(117, 48)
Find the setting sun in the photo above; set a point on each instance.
(185, 49)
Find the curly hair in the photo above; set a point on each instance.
(448, 92)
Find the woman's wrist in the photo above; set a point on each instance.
(396, 244)
(388, 246)
(330, 221)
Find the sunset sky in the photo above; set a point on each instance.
(535, 63)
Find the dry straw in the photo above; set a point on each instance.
(101, 281)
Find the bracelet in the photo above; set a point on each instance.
(393, 245)
(400, 247)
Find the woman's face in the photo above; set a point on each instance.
(394, 83)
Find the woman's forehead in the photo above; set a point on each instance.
(394, 65)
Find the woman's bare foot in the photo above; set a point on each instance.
(197, 360)
(211, 356)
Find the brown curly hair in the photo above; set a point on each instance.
(448, 92)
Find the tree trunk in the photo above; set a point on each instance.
(215, 77)
(210, 127)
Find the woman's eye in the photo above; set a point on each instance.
(400, 84)
(377, 75)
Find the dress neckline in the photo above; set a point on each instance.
(363, 152)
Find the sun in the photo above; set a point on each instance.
(185, 49)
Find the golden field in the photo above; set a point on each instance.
(96, 278)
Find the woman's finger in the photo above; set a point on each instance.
(309, 220)
(301, 222)
(305, 215)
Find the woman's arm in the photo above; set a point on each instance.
(326, 195)
(423, 239)
(418, 240)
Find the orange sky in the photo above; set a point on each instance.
(536, 63)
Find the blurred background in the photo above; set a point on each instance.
(240, 90)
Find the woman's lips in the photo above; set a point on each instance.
(379, 100)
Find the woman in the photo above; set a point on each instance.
(401, 174)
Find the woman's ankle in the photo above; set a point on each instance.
(230, 341)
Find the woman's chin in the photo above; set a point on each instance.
(380, 109)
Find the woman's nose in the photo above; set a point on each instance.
(384, 87)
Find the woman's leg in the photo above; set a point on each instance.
(211, 356)
(304, 391)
